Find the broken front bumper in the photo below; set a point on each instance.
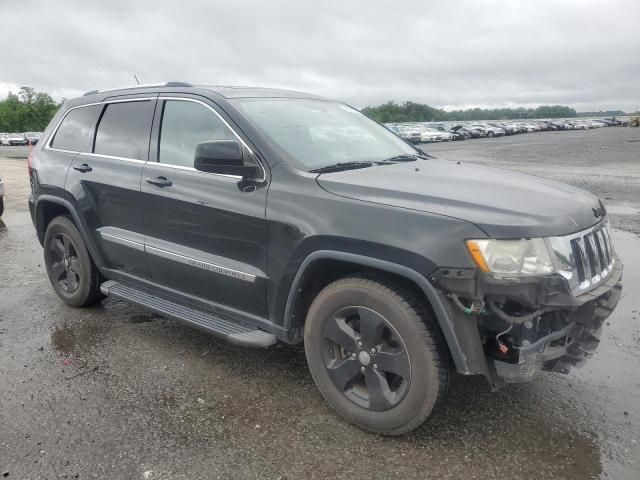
(569, 345)
(565, 334)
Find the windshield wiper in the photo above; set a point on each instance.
(341, 166)
(408, 157)
(402, 158)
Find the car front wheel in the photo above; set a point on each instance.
(375, 354)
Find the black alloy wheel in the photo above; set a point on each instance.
(375, 353)
(366, 358)
(72, 272)
(64, 263)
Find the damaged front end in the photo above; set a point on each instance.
(512, 327)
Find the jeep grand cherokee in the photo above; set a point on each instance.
(262, 215)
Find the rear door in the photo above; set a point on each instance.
(105, 183)
(206, 234)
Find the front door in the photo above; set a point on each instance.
(205, 234)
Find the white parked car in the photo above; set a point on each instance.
(406, 132)
(428, 135)
(11, 139)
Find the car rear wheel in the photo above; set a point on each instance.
(375, 354)
(72, 273)
(489, 134)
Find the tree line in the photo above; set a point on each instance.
(27, 111)
(416, 112)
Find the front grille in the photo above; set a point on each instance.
(593, 255)
(585, 258)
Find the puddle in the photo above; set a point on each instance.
(63, 340)
(80, 337)
(623, 209)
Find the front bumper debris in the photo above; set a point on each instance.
(565, 333)
(560, 349)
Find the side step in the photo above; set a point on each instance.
(230, 331)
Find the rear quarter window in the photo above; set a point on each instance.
(124, 129)
(74, 133)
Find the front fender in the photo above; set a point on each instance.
(441, 311)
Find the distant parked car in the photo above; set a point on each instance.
(428, 135)
(446, 134)
(462, 130)
(11, 139)
(509, 128)
(489, 130)
(470, 132)
(405, 132)
(32, 137)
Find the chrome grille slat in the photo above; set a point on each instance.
(582, 260)
(602, 249)
(609, 243)
(594, 259)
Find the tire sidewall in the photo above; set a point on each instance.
(423, 387)
(84, 290)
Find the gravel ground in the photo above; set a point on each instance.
(114, 392)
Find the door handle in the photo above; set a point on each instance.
(160, 181)
(82, 168)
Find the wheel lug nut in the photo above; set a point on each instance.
(362, 369)
(359, 344)
(375, 366)
(353, 355)
(373, 350)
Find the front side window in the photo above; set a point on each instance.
(124, 130)
(184, 125)
(319, 133)
(74, 132)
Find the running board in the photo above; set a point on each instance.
(230, 331)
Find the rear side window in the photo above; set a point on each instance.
(74, 132)
(124, 130)
(184, 126)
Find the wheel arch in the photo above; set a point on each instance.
(352, 263)
(48, 207)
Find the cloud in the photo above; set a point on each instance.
(454, 54)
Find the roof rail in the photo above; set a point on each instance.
(177, 84)
(146, 85)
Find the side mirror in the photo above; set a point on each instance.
(224, 157)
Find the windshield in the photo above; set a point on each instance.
(320, 133)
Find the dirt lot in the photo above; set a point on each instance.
(114, 392)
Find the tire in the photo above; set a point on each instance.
(489, 134)
(1, 206)
(396, 396)
(72, 273)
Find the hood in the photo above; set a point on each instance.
(504, 204)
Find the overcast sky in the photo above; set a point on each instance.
(460, 54)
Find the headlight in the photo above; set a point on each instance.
(511, 257)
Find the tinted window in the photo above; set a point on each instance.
(185, 125)
(124, 130)
(74, 131)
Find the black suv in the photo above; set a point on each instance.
(263, 215)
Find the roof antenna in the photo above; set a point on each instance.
(136, 77)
